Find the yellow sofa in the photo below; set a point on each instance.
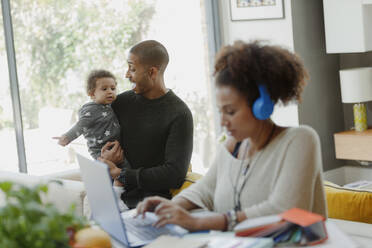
(348, 204)
(191, 178)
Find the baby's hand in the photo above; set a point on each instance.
(62, 140)
(118, 184)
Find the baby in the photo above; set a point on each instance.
(97, 121)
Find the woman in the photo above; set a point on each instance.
(262, 169)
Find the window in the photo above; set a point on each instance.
(59, 42)
(8, 146)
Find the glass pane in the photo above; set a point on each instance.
(8, 145)
(181, 27)
(58, 42)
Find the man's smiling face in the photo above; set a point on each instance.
(139, 75)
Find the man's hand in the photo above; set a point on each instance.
(114, 171)
(62, 140)
(112, 151)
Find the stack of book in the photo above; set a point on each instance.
(293, 227)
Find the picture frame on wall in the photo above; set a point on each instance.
(256, 9)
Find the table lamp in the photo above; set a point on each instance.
(356, 87)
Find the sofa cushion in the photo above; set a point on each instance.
(62, 196)
(348, 204)
(191, 177)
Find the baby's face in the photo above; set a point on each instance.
(105, 91)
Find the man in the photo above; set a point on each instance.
(156, 129)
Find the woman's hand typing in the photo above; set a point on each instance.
(168, 213)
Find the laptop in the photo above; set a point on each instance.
(124, 228)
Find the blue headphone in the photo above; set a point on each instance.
(263, 106)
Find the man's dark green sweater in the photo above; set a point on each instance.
(157, 139)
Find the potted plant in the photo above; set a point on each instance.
(27, 221)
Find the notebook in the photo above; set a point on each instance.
(124, 228)
(292, 227)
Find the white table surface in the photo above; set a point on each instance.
(360, 235)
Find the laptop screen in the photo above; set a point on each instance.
(101, 197)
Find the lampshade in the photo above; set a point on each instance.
(356, 85)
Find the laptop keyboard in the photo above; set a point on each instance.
(139, 221)
(143, 229)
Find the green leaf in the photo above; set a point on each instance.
(43, 188)
(6, 186)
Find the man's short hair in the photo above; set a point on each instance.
(151, 53)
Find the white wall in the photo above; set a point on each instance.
(277, 31)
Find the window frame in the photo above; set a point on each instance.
(14, 88)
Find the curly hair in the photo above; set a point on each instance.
(94, 75)
(245, 65)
